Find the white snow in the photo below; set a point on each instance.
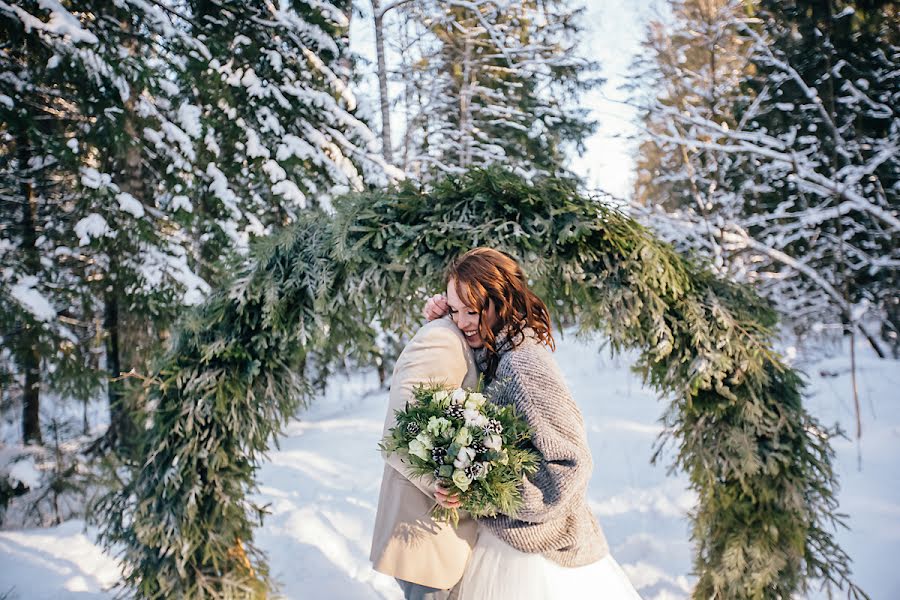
(24, 471)
(61, 21)
(268, 121)
(189, 118)
(219, 187)
(59, 563)
(290, 191)
(31, 299)
(275, 59)
(211, 144)
(182, 203)
(6, 101)
(291, 145)
(345, 92)
(72, 144)
(255, 148)
(130, 204)
(175, 134)
(249, 78)
(274, 170)
(155, 265)
(91, 226)
(92, 178)
(169, 87)
(322, 489)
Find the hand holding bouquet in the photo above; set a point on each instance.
(473, 448)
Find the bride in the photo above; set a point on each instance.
(553, 548)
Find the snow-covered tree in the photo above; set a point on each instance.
(489, 81)
(693, 62)
(80, 95)
(793, 186)
(146, 142)
(826, 87)
(267, 112)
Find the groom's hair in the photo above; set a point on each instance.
(484, 276)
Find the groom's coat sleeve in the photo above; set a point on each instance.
(406, 542)
(434, 355)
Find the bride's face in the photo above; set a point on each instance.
(467, 318)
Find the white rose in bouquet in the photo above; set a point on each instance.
(417, 448)
(426, 440)
(463, 437)
(475, 401)
(438, 426)
(461, 480)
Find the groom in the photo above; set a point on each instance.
(426, 557)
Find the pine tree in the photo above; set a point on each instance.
(263, 105)
(492, 81)
(161, 138)
(834, 109)
(42, 322)
(693, 62)
(797, 174)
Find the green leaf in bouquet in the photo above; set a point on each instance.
(453, 449)
(492, 455)
(445, 471)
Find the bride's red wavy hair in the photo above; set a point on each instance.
(486, 275)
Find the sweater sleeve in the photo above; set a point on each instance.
(540, 394)
(435, 355)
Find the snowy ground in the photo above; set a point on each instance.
(322, 486)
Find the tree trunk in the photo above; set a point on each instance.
(465, 116)
(408, 79)
(129, 168)
(29, 354)
(386, 146)
(31, 398)
(117, 416)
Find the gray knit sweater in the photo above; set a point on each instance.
(554, 519)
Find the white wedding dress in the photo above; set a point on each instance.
(497, 571)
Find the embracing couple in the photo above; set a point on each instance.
(491, 324)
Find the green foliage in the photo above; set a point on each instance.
(142, 143)
(242, 363)
(232, 378)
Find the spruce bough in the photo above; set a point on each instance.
(244, 362)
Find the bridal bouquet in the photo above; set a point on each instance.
(472, 447)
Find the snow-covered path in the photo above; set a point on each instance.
(322, 487)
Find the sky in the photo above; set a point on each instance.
(614, 30)
(613, 33)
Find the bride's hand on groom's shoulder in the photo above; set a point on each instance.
(444, 498)
(436, 307)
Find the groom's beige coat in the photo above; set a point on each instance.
(407, 543)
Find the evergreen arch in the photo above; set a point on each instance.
(317, 293)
